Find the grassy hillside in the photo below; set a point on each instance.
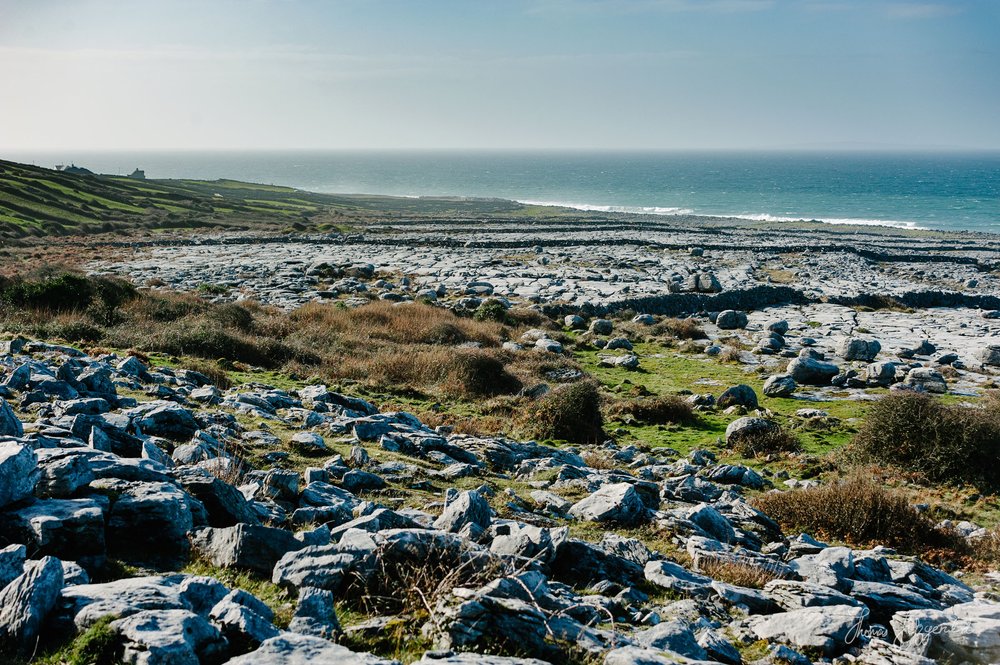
(35, 201)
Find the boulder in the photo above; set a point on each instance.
(881, 374)
(166, 419)
(825, 629)
(12, 560)
(315, 614)
(225, 504)
(854, 348)
(63, 472)
(245, 546)
(10, 424)
(71, 529)
(926, 378)
(730, 319)
(779, 385)
(26, 602)
(243, 620)
(741, 395)
(747, 427)
(618, 503)
(811, 371)
(601, 326)
(675, 637)
(794, 595)
(466, 508)
(149, 523)
(177, 637)
(18, 472)
(676, 578)
(295, 649)
(990, 355)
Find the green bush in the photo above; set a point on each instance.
(764, 443)
(491, 310)
(655, 410)
(916, 432)
(571, 413)
(474, 374)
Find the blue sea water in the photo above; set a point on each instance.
(933, 190)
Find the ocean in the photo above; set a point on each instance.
(949, 191)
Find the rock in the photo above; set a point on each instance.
(794, 595)
(880, 374)
(63, 472)
(644, 319)
(149, 523)
(676, 578)
(780, 327)
(730, 319)
(574, 322)
(295, 649)
(315, 614)
(741, 395)
(990, 355)
(71, 529)
(243, 620)
(853, 348)
(968, 632)
(26, 602)
(747, 427)
(466, 508)
(19, 472)
(618, 503)
(309, 442)
(175, 637)
(355, 481)
(675, 637)
(601, 327)
(166, 419)
(12, 560)
(779, 385)
(245, 546)
(926, 378)
(528, 541)
(10, 425)
(812, 372)
(826, 629)
(225, 504)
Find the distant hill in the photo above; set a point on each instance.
(36, 201)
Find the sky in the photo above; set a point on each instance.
(499, 74)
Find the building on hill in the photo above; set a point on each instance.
(138, 174)
(76, 170)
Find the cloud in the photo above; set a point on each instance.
(920, 10)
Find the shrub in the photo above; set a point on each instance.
(472, 374)
(655, 410)
(916, 432)
(571, 413)
(765, 442)
(491, 310)
(680, 329)
(212, 370)
(738, 573)
(856, 510)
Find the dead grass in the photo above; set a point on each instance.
(763, 444)
(571, 413)
(663, 410)
(679, 329)
(738, 573)
(856, 510)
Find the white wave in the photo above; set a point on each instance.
(752, 217)
(647, 210)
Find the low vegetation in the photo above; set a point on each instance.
(766, 443)
(942, 442)
(571, 412)
(663, 410)
(855, 510)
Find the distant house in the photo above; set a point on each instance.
(76, 170)
(138, 174)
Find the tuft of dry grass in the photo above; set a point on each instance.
(762, 444)
(679, 329)
(856, 510)
(738, 573)
(663, 410)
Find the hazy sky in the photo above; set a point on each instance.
(659, 74)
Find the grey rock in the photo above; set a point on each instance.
(467, 507)
(12, 560)
(779, 385)
(175, 637)
(731, 319)
(673, 577)
(18, 472)
(990, 355)
(741, 395)
(854, 348)
(166, 419)
(356, 480)
(811, 371)
(63, 472)
(71, 529)
(601, 326)
(243, 620)
(245, 546)
(794, 595)
(10, 425)
(618, 503)
(295, 649)
(675, 637)
(26, 602)
(746, 427)
(149, 523)
(826, 629)
(315, 614)
(926, 378)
